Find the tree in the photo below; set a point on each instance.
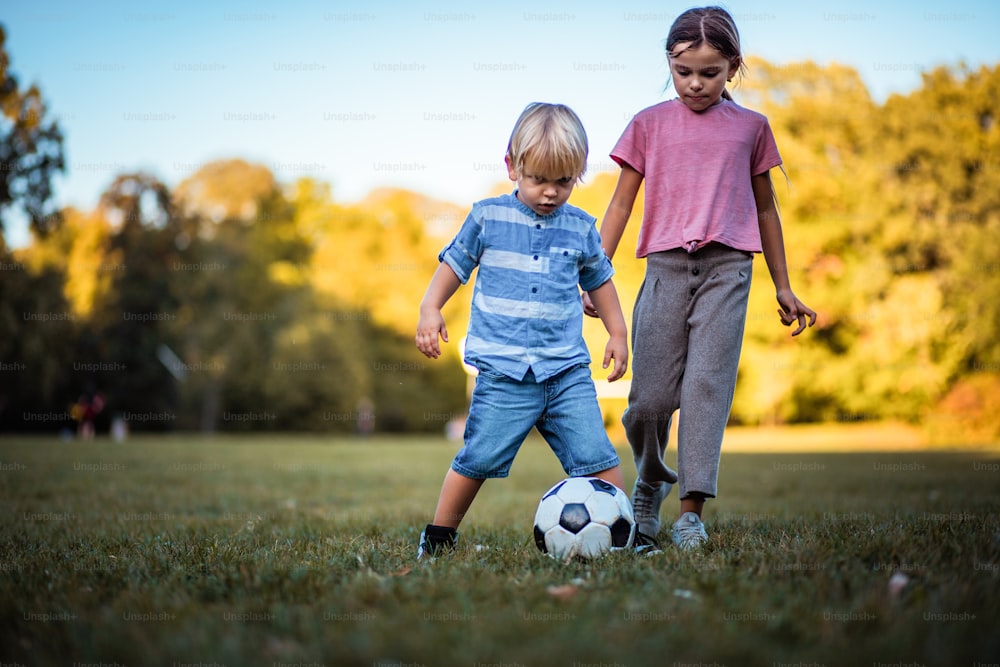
(36, 383)
(31, 151)
(130, 322)
(941, 206)
(370, 266)
(226, 190)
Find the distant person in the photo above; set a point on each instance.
(85, 411)
(366, 417)
(709, 206)
(119, 429)
(534, 252)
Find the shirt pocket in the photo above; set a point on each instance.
(564, 266)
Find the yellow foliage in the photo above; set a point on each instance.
(79, 249)
(889, 235)
(287, 273)
(89, 268)
(226, 189)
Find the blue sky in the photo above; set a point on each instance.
(416, 95)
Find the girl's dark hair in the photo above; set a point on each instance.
(712, 25)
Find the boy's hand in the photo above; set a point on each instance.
(604, 302)
(431, 325)
(431, 322)
(588, 306)
(616, 349)
(792, 310)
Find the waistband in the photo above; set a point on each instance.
(713, 254)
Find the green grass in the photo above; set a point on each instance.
(294, 550)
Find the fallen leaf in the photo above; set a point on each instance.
(564, 592)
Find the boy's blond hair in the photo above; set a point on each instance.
(548, 141)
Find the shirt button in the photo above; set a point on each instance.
(536, 256)
(534, 290)
(693, 290)
(695, 271)
(538, 226)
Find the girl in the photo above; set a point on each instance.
(709, 205)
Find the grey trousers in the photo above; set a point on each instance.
(687, 332)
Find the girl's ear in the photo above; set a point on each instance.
(734, 67)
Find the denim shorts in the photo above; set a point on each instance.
(563, 408)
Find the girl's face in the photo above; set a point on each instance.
(700, 74)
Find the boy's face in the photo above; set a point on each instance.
(542, 194)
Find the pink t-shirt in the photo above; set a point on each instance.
(697, 168)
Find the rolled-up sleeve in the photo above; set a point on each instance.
(465, 250)
(597, 268)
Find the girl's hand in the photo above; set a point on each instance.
(792, 310)
(430, 326)
(588, 306)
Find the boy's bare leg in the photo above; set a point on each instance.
(613, 475)
(457, 494)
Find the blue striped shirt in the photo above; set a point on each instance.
(526, 306)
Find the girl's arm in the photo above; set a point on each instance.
(792, 310)
(619, 209)
(615, 220)
(605, 298)
(431, 324)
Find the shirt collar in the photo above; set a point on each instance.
(527, 210)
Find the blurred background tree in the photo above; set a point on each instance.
(31, 152)
(35, 324)
(237, 302)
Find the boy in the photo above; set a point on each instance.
(525, 328)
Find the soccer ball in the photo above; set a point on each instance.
(585, 518)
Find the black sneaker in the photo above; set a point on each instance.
(436, 540)
(644, 545)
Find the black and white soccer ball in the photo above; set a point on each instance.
(583, 518)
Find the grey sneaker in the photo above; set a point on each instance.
(689, 532)
(644, 545)
(646, 502)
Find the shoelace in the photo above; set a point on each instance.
(642, 501)
(690, 530)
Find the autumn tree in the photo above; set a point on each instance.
(37, 337)
(31, 151)
(36, 325)
(371, 264)
(130, 323)
(941, 213)
(281, 302)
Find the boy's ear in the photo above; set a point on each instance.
(511, 171)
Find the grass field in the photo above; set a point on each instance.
(291, 550)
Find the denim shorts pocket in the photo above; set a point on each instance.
(487, 372)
